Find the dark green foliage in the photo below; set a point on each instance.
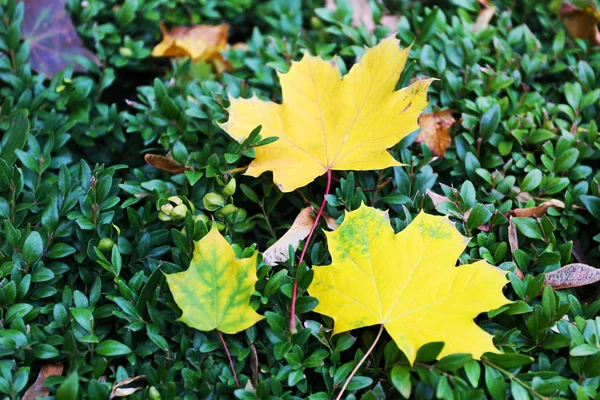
(83, 251)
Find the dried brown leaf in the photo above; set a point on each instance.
(435, 131)
(37, 389)
(581, 23)
(119, 391)
(573, 275)
(484, 18)
(537, 211)
(299, 230)
(165, 163)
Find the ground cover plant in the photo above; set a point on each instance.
(272, 199)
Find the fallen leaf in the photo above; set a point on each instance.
(484, 18)
(278, 252)
(537, 211)
(435, 131)
(53, 40)
(214, 293)
(37, 389)
(199, 42)
(572, 275)
(299, 230)
(581, 23)
(363, 15)
(119, 391)
(165, 163)
(329, 123)
(408, 282)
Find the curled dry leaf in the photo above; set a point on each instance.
(581, 23)
(37, 389)
(299, 230)
(537, 211)
(199, 42)
(435, 131)
(165, 163)
(53, 40)
(119, 391)
(573, 275)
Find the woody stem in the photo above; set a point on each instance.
(306, 243)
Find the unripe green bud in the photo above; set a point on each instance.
(154, 394)
(125, 51)
(167, 208)
(316, 23)
(163, 217)
(225, 211)
(201, 217)
(229, 189)
(179, 211)
(213, 201)
(106, 244)
(175, 200)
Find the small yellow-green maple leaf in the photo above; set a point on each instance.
(214, 293)
(327, 122)
(408, 282)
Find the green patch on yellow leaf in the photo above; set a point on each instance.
(214, 293)
(408, 282)
(327, 122)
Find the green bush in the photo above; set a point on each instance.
(83, 251)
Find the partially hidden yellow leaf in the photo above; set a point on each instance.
(327, 122)
(408, 282)
(214, 293)
(199, 42)
(435, 131)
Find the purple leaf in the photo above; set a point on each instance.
(53, 41)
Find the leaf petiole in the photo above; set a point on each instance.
(312, 229)
(360, 363)
(237, 382)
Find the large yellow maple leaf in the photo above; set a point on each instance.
(408, 282)
(327, 122)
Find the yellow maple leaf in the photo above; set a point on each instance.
(408, 282)
(199, 42)
(327, 122)
(214, 293)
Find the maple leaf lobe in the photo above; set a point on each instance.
(408, 282)
(326, 122)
